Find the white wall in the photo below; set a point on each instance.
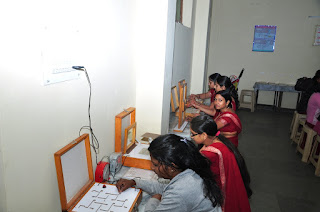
(199, 46)
(151, 35)
(168, 67)
(190, 48)
(182, 62)
(232, 32)
(187, 13)
(183, 45)
(38, 120)
(3, 202)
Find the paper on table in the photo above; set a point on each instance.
(148, 137)
(140, 151)
(140, 173)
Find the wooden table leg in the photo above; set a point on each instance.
(280, 100)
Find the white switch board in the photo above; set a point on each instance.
(61, 77)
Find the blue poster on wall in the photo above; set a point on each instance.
(264, 38)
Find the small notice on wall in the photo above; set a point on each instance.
(264, 38)
(317, 36)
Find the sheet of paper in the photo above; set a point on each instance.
(151, 135)
(101, 199)
(140, 151)
(140, 173)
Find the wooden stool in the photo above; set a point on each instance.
(314, 156)
(307, 135)
(245, 104)
(298, 130)
(296, 117)
(297, 120)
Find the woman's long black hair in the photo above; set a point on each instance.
(172, 149)
(204, 123)
(225, 81)
(214, 77)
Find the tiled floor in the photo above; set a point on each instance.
(280, 181)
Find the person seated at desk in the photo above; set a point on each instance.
(192, 186)
(222, 83)
(210, 94)
(313, 110)
(227, 120)
(228, 165)
(308, 87)
(313, 115)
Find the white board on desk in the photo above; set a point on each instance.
(105, 197)
(75, 169)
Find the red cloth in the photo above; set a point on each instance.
(228, 176)
(232, 124)
(213, 94)
(234, 106)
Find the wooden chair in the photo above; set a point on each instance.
(306, 138)
(314, 156)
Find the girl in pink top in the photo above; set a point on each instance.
(313, 112)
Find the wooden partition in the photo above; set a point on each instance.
(182, 123)
(125, 137)
(123, 120)
(74, 171)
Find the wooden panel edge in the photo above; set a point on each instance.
(137, 200)
(136, 162)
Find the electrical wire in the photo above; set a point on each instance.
(94, 141)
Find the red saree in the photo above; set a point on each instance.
(232, 126)
(234, 107)
(213, 94)
(228, 176)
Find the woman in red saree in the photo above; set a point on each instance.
(221, 83)
(192, 100)
(227, 120)
(224, 83)
(210, 94)
(227, 164)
